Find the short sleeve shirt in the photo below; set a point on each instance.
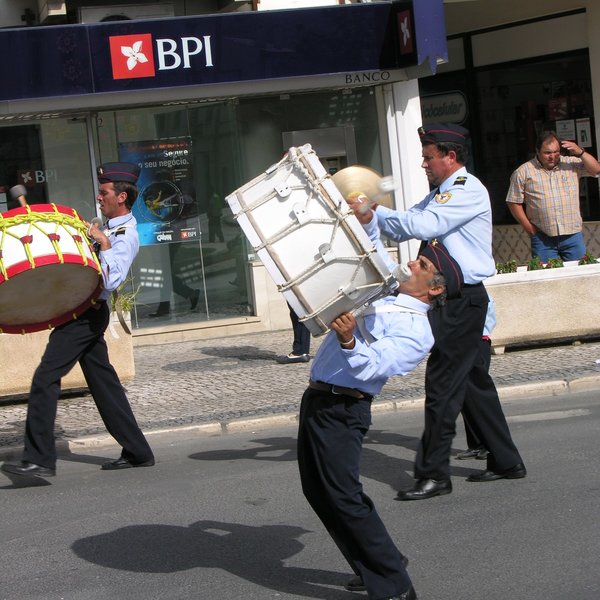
(550, 198)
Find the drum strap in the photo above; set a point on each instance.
(119, 312)
(386, 308)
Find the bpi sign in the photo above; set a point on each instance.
(132, 56)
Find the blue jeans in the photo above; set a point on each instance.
(567, 247)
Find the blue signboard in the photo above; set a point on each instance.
(221, 48)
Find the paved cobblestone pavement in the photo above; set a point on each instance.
(234, 379)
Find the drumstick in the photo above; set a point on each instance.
(19, 193)
(94, 221)
(386, 185)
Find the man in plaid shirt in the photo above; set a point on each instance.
(544, 197)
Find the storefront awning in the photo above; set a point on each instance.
(128, 56)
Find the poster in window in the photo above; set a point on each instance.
(166, 209)
(584, 132)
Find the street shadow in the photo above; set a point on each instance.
(256, 554)
(221, 359)
(64, 453)
(397, 472)
(279, 449)
(19, 481)
(376, 464)
(240, 352)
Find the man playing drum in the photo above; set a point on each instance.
(353, 363)
(82, 340)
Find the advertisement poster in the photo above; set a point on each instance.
(166, 209)
(584, 132)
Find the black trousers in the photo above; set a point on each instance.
(301, 344)
(456, 364)
(80, 340)
(330, 436)
(473, 442)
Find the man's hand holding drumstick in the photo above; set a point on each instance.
(95, 234)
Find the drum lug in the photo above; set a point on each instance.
(301, 214)
(283, 190)
(350, 290)
(326, 252)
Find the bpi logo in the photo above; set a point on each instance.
(132, 56)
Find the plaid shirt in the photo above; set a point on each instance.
(550, 198)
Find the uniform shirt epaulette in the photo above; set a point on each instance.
(460, 180)
(120, 230)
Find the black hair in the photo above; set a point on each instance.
(129, 188)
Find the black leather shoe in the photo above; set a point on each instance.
(426, 488)
(163, 309)
(28, 469)
(478, 453)
(470, 453)
(356, 583)
(409, 594)
(293, 358)
(517, 472)
(123, 463)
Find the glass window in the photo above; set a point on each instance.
(193, 264)
(514, 103)
(51, 159)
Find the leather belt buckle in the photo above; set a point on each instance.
(333, 391)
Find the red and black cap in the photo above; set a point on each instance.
(440, 257)
(443, 133)
(118, 171)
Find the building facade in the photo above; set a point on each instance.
(212, 93)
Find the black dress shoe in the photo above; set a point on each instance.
(293, 358)
(409, 594)
(123, 463)
(356, 583)
(194, 299)
(517, 472)
(28, 469)
(163, 309)
(426, 488)
(478, 453)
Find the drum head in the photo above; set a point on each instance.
(46, 297)
(360, 179)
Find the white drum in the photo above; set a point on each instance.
(309, 240)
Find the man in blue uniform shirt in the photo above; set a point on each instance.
(391, 337)
(458, 213)
(83, 340)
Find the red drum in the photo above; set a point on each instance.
(49, 273)
(309, 240)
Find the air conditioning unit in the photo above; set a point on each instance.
(97, 14)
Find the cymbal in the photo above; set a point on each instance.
(361, 179)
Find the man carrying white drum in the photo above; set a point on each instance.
(353, 363)
(82, 340)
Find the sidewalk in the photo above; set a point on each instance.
(223, 384)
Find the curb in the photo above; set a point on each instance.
(506, 393)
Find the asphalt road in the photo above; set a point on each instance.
(223, 516)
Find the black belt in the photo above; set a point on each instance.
(338, 390)
(98, 304)
(472, 285)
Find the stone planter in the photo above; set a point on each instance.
(22, 354)
(545, 305)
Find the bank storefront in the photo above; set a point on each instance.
(507, 82)
(203, 105)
